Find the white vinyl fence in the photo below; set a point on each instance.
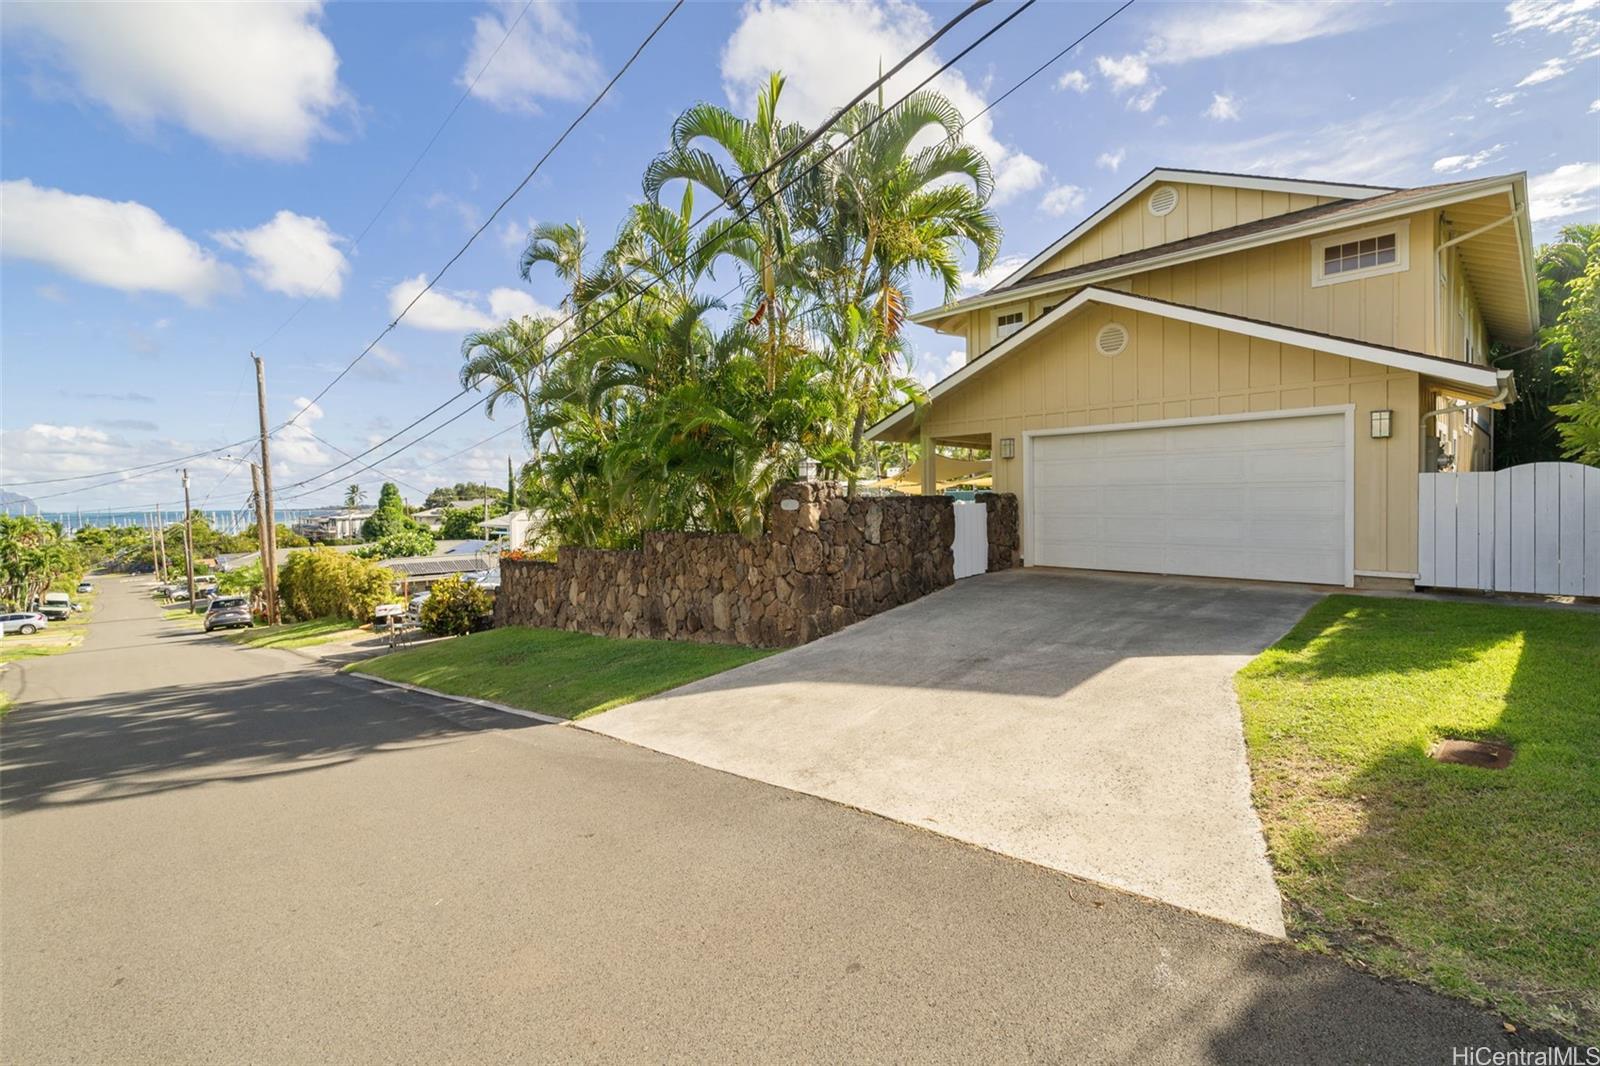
(971, 546)
(1532, 528)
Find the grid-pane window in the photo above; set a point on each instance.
(1358, 255)
(1009, 323)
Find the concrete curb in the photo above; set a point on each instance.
(490, 704)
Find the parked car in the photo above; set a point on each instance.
(414, 610)
(85, 586)
(25, 622)
(229, 612)
(57, 606)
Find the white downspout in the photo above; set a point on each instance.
(1507, 394)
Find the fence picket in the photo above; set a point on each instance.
(1530, 528)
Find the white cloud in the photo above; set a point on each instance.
(47, 450)
(1193, 31)
(255, 78)
(1505, 99)
(459, 312)
(1397, 139)
(1111, 161)
(829, 51)
(1003, 266)
(1062, 199)
(1455, 164)
(119, 244)
(292, 254)
(1567, 190)
(935, 369)
(1576, 20)
(1224, 108)
(1549, 70)
(546, 57)
(1594, 107)
(1146, 100)
(1076, 80)
(1125, 72)
(293, 447)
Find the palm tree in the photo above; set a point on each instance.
(890, 209)
(512, 360)
(354, 496)
(764, 152)
(565, 246)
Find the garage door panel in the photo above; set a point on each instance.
(1258, 498)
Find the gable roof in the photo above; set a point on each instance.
(1377, 203)
(1224, 179)
(1469, 374)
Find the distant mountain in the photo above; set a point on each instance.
(16, 503)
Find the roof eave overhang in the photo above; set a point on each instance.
(1469, 375)
(1347, 220)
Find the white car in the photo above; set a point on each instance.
(25, 622)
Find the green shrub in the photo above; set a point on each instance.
(454, 607)
(404, 542)
(246, 580)
(323, 583)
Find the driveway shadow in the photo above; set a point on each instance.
(72, 752)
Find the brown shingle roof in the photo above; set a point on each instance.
(1245, 229)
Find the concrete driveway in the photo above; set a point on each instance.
(1086, 723)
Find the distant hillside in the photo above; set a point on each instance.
(16, 503)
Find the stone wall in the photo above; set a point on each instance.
(824, 562)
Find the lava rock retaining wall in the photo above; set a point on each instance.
(824, 562)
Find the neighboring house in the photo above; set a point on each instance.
(433, 517)
(514, 529)
(1238, 376)
(340, 525)
(418, 572)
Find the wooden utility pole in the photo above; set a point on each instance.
(269, 590)
(163, 564)
(188, 540)
(268, 525)
(155, 548)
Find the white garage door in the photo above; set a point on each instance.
(1262, 498)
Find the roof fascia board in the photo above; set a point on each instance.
(1195, 177)
(1309, 228)
(1479, 377)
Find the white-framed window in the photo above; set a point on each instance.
(1363, 253)
(1009, 322)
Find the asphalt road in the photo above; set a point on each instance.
(217, 855)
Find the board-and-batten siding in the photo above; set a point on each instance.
(1201, 209)
(1172, 369)
(1273, 283)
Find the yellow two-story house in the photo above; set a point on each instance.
(1237, 376)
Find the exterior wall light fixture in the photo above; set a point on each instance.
(1008, 447)
(1381, 424)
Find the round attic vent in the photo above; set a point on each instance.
(1111, 339)
(1163, 200)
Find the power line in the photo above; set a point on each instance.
(833, 150)
(151, 467)
(356, 243)
(573, 125)
(676, 266)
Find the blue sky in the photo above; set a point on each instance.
(179, 180)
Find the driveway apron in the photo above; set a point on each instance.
(1086, 723)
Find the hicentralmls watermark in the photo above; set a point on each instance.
(1545, 1056)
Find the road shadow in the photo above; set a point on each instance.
(120, 745)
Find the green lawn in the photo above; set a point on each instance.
(293, 634)
(185, 617)
(565, 675)
(1483, 884)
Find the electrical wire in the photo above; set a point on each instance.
(833, 149)
(356, 243)
(437, 277)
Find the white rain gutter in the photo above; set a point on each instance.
(1507, 394)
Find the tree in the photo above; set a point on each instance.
(33, 556)
(454, 607)
(510, 360)
(563, 245)
(1526, 431)
(390, 515)
(354, 496)
(323, 583)
(1577, 334)
(460, 524)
